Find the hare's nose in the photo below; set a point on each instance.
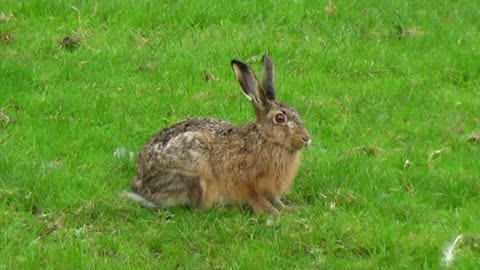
(306, 141)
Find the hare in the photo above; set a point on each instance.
(202, 162)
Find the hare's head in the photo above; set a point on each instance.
(281, 123)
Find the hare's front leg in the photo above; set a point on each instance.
(262, 206)
(259, 203)
(278, 203)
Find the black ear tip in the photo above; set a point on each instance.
(242, 66)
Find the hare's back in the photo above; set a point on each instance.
(213, 127)
(183, 146)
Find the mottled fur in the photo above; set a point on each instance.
(200, 162)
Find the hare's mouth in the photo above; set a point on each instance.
(298, 145)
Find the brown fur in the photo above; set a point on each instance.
(202, 162)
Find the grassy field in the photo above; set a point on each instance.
(388, 89)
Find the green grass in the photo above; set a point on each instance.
(377, 83)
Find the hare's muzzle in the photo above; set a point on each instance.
(305, 137)
(306, 141)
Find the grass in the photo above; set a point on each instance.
(377, 83)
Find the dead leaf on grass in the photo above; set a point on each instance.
(473, 137)
(4, 119)
(303, 224)
(330, 8)
(204, 96)
(55, 164)
(270, 223)
(51, 224)
(254, 59)
(6, 194)
(408, 187)
(6, 38)
(210, 77)
(87, 207)
(70, 44)
(408, 32)
(370, 150)
(146, 67)
(435, 154)
(6, 18)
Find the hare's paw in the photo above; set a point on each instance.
(279, 204)
(262, 206)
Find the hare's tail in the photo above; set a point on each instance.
(140, 199)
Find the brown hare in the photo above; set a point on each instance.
(202, 162)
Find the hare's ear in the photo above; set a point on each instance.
(248, 82)
(267, 79)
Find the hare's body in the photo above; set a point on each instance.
(223, 168)
(202, 162)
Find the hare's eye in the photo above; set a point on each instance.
(280, 118)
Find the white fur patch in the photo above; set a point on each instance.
(138, 198)
(203, 186)
(182, 139)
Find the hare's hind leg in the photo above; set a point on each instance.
(170, 189)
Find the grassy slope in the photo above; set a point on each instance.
(376, 83)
